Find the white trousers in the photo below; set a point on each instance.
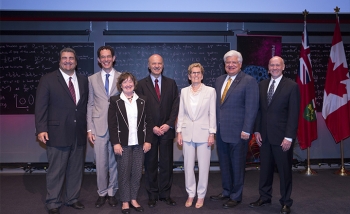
(203, 156)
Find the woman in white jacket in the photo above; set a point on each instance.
(196, 127)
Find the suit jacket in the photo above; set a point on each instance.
(118, 121)
(196, 126)
(280, 118)
(56, 112)
(238, 111)
(164, 111)
(97, 108)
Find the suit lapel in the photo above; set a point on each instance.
(233, 85)
(218, 90)
(122, 110)
(277, 90)
(188, 101)
(200, 101)
(140, 110)
(100, 82)
(114, 89)
(264, 89)
(81, 88)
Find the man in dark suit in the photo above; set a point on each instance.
(275, 129)
(237, 106)
(162, 94)
(60, 120)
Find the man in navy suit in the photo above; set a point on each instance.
(275, 130)
(237, 106)
(60, 120)
(162, 94)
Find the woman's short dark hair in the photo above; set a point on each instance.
(123, 77)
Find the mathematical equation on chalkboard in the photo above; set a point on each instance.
(319, 54)
(133, 57)
(23, 64)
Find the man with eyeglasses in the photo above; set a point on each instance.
(236, 109)
(102, 85)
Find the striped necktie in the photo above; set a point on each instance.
(228, 84)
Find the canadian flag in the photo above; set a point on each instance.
(336, 99)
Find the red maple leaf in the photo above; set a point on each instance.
(333, 79)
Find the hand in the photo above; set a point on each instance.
(179, 139)
(146, 147)
(118, 150)
(43, 137)
(210, 140)
(244, 136)
(165, 128)
(258, 138)
(286, 145)
(157, 131)
(91, 137)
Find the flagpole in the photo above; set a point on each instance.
(308, 170)
(342, 171)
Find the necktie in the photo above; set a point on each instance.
(228, 84)
(107, 84)
(156, 86)
(270, 92)
(71, 90)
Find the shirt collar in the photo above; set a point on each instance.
(103, 73)
(159, 78)
(66, 76)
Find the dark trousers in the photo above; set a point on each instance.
(66, 164)
(159, 185)
(269, 156)
(232, 160)
(129, 172)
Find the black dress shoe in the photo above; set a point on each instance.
(126, 211)
(100, 201)
(138, 209)
(230, 204)
(152, 203)
(260, 203)
(54, 211)
(168, 201)
(285, 209)
(77, 205)
(219, 197)
(112, 201)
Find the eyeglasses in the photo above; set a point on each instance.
(232, 63)
(196, 73)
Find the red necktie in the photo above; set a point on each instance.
(71, 90)
(156, 86)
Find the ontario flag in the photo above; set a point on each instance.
(336, 99)
(307, 127)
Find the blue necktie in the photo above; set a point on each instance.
(107, 84)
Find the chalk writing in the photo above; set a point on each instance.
(23, 64)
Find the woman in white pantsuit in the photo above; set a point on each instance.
(196, 127)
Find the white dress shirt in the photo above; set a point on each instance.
(75, 84)
(131, 112)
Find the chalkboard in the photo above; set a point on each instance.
(133, 57)
(23, 64)
(319, 54)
